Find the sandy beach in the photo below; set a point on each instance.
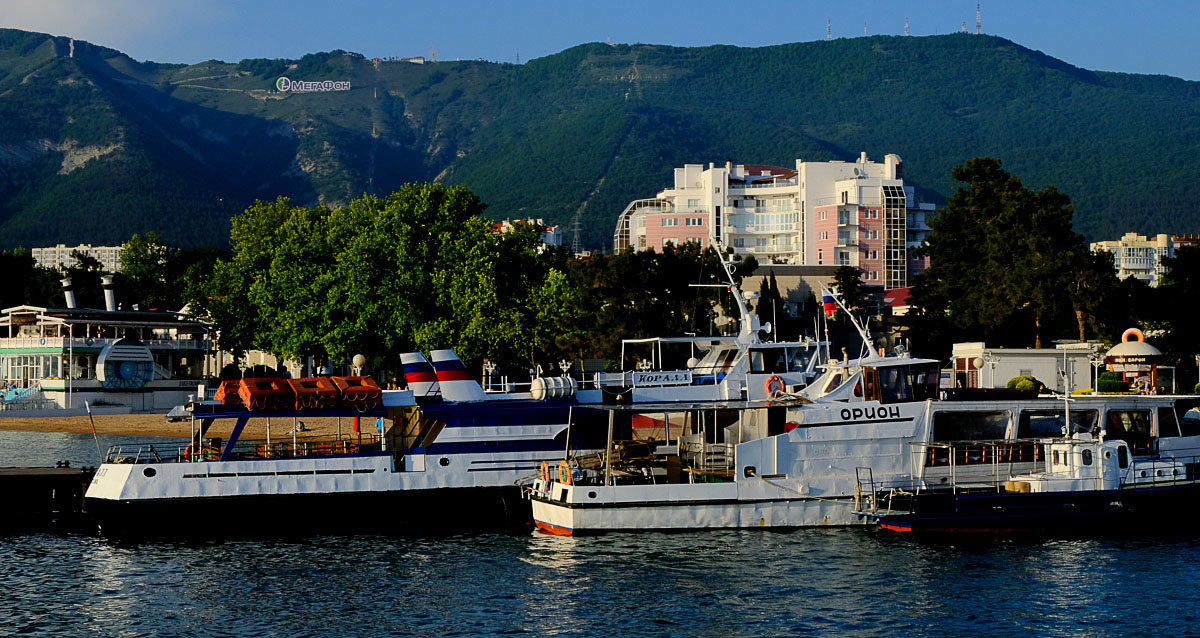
(157, 425)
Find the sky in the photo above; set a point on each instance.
(1150, 36)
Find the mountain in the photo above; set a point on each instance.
(96, 146)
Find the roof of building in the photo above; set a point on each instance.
(896, 297)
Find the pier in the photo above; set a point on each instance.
(43, 497)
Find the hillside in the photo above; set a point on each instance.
(97, 146)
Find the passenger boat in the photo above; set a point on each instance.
(798, 459)
(785, 463)
(455, 442)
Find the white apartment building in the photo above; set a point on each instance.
(1138, 256)
(819, 213)
(60, 256)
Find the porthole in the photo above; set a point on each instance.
(443, 461)
(749, 471)
(149, 472)
(1108, 454)
(591, 495)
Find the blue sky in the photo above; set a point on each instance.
(1156, 37)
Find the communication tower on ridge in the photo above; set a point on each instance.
(865, 28)
(828, 30)
(964, 26)
(905, 25)
(978, 19)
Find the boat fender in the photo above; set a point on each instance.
(545, 472)
(773, 386)
(564, 473)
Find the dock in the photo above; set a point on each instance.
(41, 498)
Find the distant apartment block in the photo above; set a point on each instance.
(819, 214)
(60, 256)
(1140, 257)
(550, 236)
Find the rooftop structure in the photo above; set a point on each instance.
(550, 236)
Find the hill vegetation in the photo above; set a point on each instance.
(97, 146)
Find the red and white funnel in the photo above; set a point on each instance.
(419, 375)
(455, 381)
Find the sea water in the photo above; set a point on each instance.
(855, 582)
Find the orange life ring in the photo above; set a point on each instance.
(545, 475)
(564, 473)
(1132, 332)
(773, 386)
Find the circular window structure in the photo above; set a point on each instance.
(149, 472)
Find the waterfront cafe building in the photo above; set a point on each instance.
(117, 360)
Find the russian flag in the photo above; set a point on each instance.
(830, 304)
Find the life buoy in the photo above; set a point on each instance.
(545, 475)
(773, 386)
(564, 473)
(1132, 332)
(88, 341)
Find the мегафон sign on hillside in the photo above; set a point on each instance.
(300, 86)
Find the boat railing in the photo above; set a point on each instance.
(245, 450)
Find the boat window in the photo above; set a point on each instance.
(1189, 425)
(768, 360)
(1036, 424)
(1123, 457)
(894, 385)
(1055, 461)
(970, 426)
(1087, 457)
(925, 378)
(1167, 425)
(1131, 426)
(799, 357)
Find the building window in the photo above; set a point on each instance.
(669, 240)
(670, 221)
(738, 242)
(693, 203)
(760, 242)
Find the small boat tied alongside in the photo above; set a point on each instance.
(1082, 483)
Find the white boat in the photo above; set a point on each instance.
(799, 460)
(451, 440)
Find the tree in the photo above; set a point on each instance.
(143, 273)
(1004, 262)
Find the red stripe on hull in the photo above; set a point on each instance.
(555, 530)
(899, 529)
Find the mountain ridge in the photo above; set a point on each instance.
(99, 146)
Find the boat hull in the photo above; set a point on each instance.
(572, 512)
(1047, 512)
(385, 512)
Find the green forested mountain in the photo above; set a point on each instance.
(95, 146)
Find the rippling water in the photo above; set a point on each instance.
(849, 582)
(845, 582)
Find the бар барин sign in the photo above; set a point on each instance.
(288, 85)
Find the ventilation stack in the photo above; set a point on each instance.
(68, 292)
(110, 297)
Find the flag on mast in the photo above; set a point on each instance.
(830, 304)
